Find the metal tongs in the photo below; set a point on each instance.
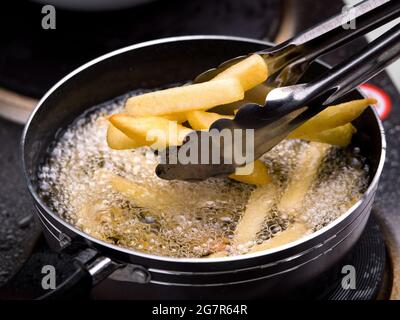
(290, 104)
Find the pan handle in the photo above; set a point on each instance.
(85, 276)
(41, 278)
(77, 285)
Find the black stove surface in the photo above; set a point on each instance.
(33, 59)
(17, 232)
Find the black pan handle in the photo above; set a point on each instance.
(88, 272)
(76, 271)
(77, 285)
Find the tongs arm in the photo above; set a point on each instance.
(347, 75)
(297, 53)
(289, 107)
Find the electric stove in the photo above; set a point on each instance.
(32, 59)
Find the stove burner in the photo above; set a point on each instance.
(370, 263)
(372, 271)
(384, 104)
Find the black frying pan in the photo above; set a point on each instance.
(273, 273)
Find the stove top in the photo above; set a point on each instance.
(261, 19)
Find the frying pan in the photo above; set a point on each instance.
(128, 274)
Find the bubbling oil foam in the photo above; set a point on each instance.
(176, 218)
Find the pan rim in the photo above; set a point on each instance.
(156, 258)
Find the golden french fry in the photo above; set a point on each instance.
(143, 196)
(178, 117)
(201, 96)
(118, 140)
(292, 233)
(91, 215)
(258, 176)
(230, 108)
(305, 172)
(250, 72)
(202, 120)
(127, 187)
(258, 207)
(255, 95)
(332, 117)
(156, 132)
(258, 94)
(339, 136)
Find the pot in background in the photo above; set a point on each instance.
(93, 5)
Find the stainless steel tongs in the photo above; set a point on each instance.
(289, 105)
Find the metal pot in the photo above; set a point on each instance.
(93, 5)
(273, 273)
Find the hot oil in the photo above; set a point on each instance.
(178, 219)
(342, 179)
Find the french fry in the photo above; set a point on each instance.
(130, 189)
(250, 72)
(202, 120)
(332, 117)
(178, 117)
(292, 233)
(306, 170)
(201, 96)
(91, 215)
(339, 136)
(259, 175)
(255, 95)
(258, 94)
(143, 196)
(156, 132)
(118, 140)
(260, 203)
